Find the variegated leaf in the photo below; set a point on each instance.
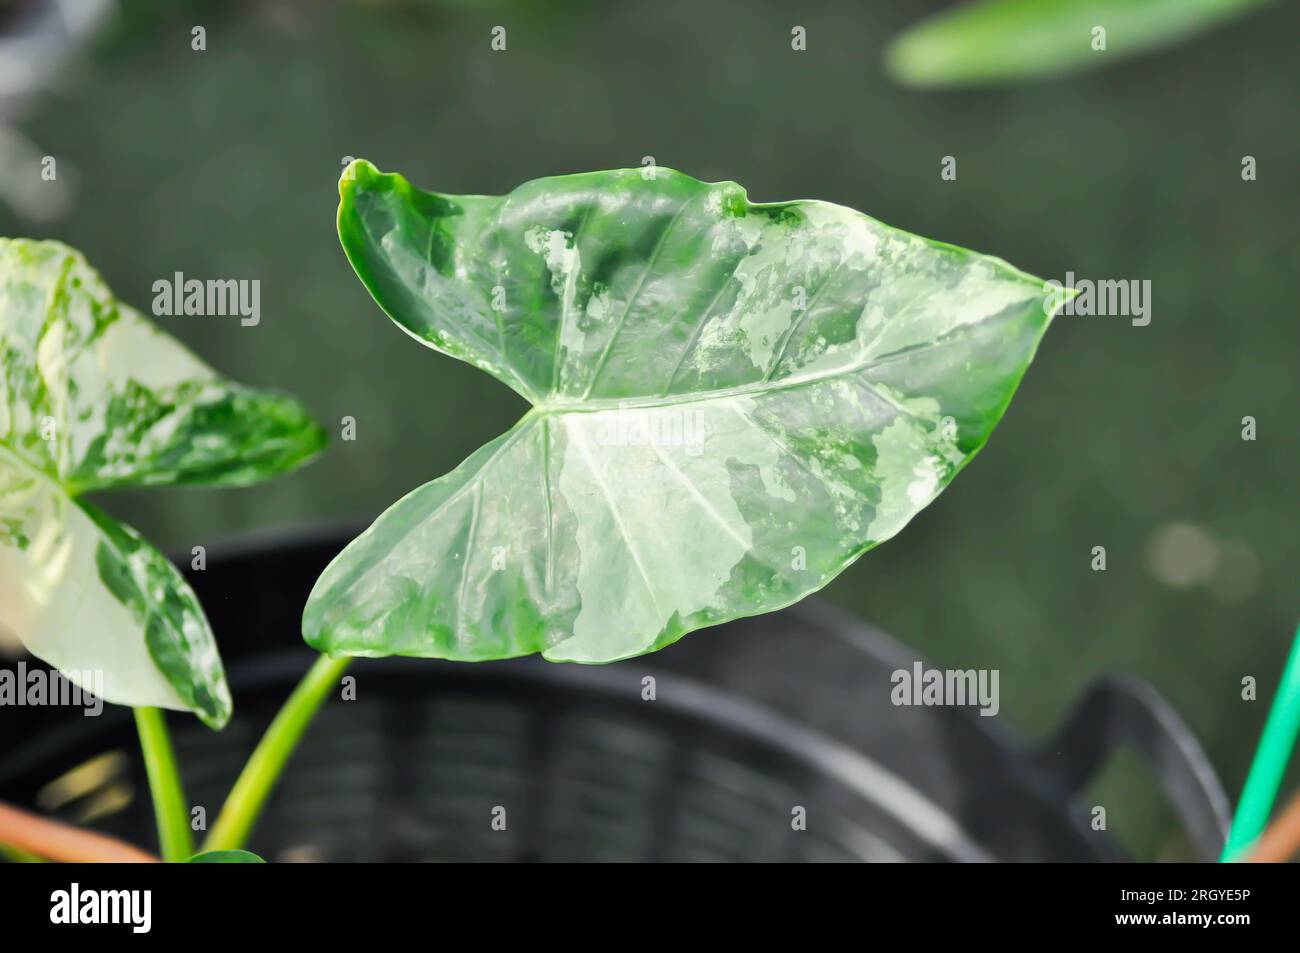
(93, 396)
(731, 402)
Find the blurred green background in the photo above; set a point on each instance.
(223, 163)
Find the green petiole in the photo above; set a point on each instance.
(264, 767)
(170, 809)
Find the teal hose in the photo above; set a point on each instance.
(1270, 762)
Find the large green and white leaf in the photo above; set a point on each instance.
(91, 598)
(93, 396)
(731, 402)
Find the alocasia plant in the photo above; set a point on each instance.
(92, 397)
(730, 403)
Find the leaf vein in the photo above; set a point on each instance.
(795, 325)
(700, 498)
(581, 443)
(699, 327)
(469, 549)
(622, 319)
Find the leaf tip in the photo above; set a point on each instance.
(216, 719)
(315, 438)
(902, 63)
(358, 172)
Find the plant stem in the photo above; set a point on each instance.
(263, 769)
(1271, 756)
(170, 810)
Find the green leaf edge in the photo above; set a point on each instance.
(225, 857)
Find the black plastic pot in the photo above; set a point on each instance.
(750, 721)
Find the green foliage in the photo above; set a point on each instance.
(92, 396)
(731, 403)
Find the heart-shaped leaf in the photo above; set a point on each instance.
(731, 403)
(93, 396)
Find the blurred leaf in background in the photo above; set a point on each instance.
(1003, 41)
